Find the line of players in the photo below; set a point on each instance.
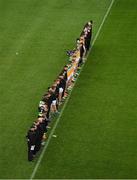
(56, 94)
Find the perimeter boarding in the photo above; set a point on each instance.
(51, 101)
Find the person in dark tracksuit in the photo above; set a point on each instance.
(57, 92)
(65, 78)
(88, 37)
(31, 138)
(81, 53)
(39, 136)
(62, 86)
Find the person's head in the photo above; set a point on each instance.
(60, 77)
(81, 43)
(58, 81)
(46, 108)
(73, 59)
(90, 23)
(40, 119)
(54, 86)
(33, 128)
(77, 40)
(52, 89)
(65, 68)
(85, 29)
(36, 122)
(74, 56)
(44, 115)
(81, 38)
(44, 99)
(47, 96)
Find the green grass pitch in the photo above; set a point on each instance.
(97, 133)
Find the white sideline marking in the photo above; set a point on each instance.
(57, 121)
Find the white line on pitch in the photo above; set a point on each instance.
(57, 121)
